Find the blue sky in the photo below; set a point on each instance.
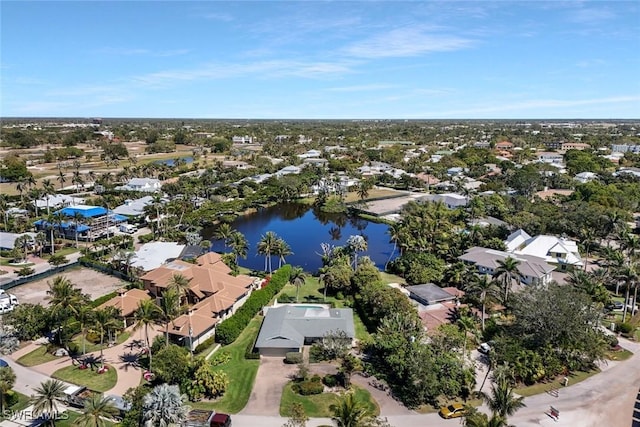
(320, 59)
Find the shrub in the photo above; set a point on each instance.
(159, 342)
(316, 378)
(250, 352)
(624, 328)
(10, 398)
(316, 354)
(330, 380)
(145, 238)
(93, 337)
(204, 345)
(307, 388)
(293, 358)
(219, 359)
(612, 340)
(229, 330)
(104, 298)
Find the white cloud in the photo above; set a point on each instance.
(404, 42)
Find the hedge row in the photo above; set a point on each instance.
(229, 330)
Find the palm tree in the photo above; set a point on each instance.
(46, 398)
(77, 219)
(4, 209)
(507, 272)
(33, 196)
(281, 250)
(223, 232)
(84, 316)
(170, 308)
(64, 300)
(147, 313)
(41, 241)
(97, 409)
(485, 288)
(77, 179)
(239, 245)
(266, 247)
(502, 400)
(363, 188)
(48, 190)
(297, 279)
(350, 412)
(164, 406)
(478, 419)
(104, 320)
(61, 179)
(7, 381)
(466, 324)
(51, 226)
(181, 284)
(356, 244)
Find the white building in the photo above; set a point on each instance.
(554, 250)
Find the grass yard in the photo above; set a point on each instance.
(361, 330)
(22, 403)
(36, 357)
(88, 378)
(619, 355)
(392, 278)
(242, 373)
(428, 409)
(90, 347)
(71, 416)
(574, 378)
(318, 405)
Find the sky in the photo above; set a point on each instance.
(321, 59)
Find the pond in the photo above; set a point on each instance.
(171, 162)
(305, 229)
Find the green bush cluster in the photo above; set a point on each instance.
(101, 300)
(309, 387)
(624, 328)
(145, 238)
(250, 352)
(230, 329)
(293, 358)
(330, 380)
(10, 398)
(204, 345)
(219, 359)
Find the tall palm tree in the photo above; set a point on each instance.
(164, 406)
(104, 321)
(4, 209)
(84, 316)
(50, 225)
(350, 412)
(61, 179)
(356, 244)
(507, 272)
(239, 245)
(266, 247)
(7, 381)
(181, 284)
(466, 324)
(64, 300)
(46, 398)
(485, 288)
(78, 218)
(96, 412)
(146, 314)
(223, 232)
(297, 279)
(502, 400)
(48, 190)
(33, 195)
(282, 250)
(170, 307)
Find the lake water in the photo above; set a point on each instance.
(171, 162)
(305, 230)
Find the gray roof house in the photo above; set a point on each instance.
(429, 294)
(533, 269)
(288, 328)
(133, 207)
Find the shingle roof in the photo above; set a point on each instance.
(430, 293)
(530, 266)
(287, 326)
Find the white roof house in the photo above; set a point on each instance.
(56, 201)
(555, 250)
(584, 177)
(142, 184)
(152, 255)
(532, 269)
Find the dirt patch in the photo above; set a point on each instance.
(90, 281)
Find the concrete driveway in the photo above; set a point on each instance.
(273, 374)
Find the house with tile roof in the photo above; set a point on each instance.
(213, 295)
(127, 302)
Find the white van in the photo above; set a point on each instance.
(128, 228)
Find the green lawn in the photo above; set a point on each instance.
(37, 357)
(318, 405)
(8, 261)
(65, 251)
(619, 355)
(361, 331)
(88, 378)
(71, 416)
(90, 347)
(574, 378)
(392, 278)
(22, 403)
(241, 372)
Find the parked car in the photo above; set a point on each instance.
(455, 410)
(616, 305)
(484, 348)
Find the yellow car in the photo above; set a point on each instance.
(454, 410)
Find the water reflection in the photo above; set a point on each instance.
(305, 229)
